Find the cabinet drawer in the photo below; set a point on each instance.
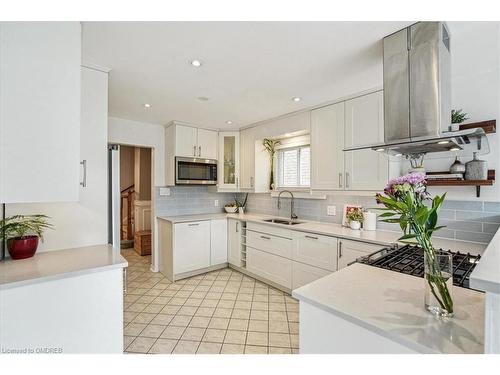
(270, 229)
(270, 267)
(303, 274)
(270, 244)
(349, 251)
(315, 250)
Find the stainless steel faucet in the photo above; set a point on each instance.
(292, 214)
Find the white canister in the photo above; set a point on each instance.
(370, 221)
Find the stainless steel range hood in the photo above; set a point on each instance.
(417, 95)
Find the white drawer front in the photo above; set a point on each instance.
(303, 274)
(269, 243)
(349, 251)
(315, 250)
(270, 229)
(270, 267)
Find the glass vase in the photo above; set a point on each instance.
(438, 283)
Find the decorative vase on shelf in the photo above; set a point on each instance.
(407, 202)
(439, 283)
(241, 210)
(476, 169)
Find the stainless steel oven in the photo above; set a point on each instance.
(195, 171)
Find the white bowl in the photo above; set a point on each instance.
(231, 210)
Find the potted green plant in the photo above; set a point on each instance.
(355, 218)
(22, 233)
(270, 146)
(457, 117)
(407, 202)
(241, 204)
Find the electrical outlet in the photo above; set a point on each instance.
(165, 191)
(331, 210)
(216, 203)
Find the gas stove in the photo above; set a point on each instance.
(409, 259)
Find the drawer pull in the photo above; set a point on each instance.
(340, 249)
(312, 237)
(266, 238)
(193, 225)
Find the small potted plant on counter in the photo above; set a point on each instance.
(241, 204)
(22, 233)
(355, 218)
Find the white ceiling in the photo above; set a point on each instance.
(250, 71)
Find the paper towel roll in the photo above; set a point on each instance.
(370, 221)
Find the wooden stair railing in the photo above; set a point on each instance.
(127, 196)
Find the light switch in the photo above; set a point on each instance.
(165, 191)
(331, 210)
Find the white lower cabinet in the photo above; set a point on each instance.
(191, 246)
(349, 251)
(271, 267)
(303, 274)
(234, 242)
(218, 242)
(315, 250)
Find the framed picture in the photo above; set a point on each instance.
(347, 208)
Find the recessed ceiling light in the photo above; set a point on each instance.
(147, 105)
(202, 98)
(443, 142)
(379, 149)
(196, 63)
(229, 122)
(296, 99)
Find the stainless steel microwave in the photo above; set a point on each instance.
(195, 171)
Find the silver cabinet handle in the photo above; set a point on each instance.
(125, 281)
(251, 182)
(312, 237)
(194, 151)
(266, 238)
(347, 179)
(83, 183)
(237, 226)
(193, 225)
(199, 150)
(237, 182)
(340, 249)
(340, 179)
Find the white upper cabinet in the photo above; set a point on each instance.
(40, 80)
(355, 122)
(229, 160)
(327, 143)
(247, 159)
(364, 125)
(186, 141)
(207, 144)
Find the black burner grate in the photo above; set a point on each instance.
(409, 260)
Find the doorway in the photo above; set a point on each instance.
(131, 199)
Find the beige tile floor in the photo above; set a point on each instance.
(218, 312)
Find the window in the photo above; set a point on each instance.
(294, 167)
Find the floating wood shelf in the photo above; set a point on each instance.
(489, 126)
(477, 183)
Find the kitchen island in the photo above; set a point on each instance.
(65, 301)
(364, 309)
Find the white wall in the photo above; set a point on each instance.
(82, 223)
(128, 132)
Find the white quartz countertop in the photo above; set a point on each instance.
(486, 274)
(52, 265)
(382, 237)
(391, 304)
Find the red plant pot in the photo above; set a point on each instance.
(22, 247)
